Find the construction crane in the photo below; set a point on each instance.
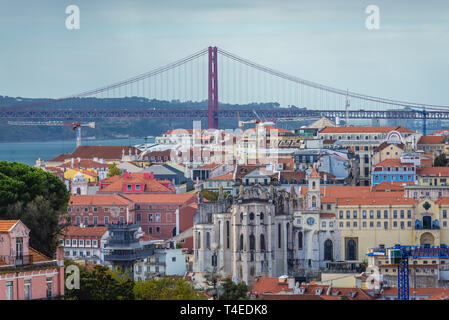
(76, 125)
(399, 255)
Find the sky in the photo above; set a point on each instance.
(322, 41)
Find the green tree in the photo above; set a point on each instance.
(166, 289)
(113, 170)
(440, 161)
(36, 197)
(232, 291)
(101, 283)
(210, 195)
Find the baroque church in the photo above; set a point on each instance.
(261, 232)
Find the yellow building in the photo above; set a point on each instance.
(89, 175)
(387, 151)
(368, 217)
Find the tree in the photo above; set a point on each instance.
(101, 283)
(113, 170)
(166, 289)
(37, 198)
(440, 161)
(232, 291)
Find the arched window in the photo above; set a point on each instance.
(252, 242)
(262, 242)
(261, 217)
(313, 184)
(251, 216)
(328, 250)
(241, 217)
(299, 240)
(208, 240)
(78, 191)
(313, 201)
(351, 250)
(241, 242)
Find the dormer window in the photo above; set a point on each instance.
(129, 187)
(137, 186)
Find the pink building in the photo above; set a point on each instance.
(26, 274)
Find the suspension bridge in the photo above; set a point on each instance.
(222, 79)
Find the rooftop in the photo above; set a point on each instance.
(365, 129)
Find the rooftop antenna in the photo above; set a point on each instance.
(347, 108)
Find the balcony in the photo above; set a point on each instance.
(17, 260)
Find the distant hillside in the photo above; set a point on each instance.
(112, 128)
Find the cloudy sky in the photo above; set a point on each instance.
(318, 40)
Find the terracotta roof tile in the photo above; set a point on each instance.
(433, 172)
(72, 231)
(178, 198)
(227, 176)
(103, 152)
(6, 225)
(432, 140)
(98, 200)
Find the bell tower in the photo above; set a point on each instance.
(314, 192)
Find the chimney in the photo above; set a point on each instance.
(73, 161)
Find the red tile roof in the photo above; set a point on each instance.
(75, 231)
(84, 163)
(103, 152)
(37, 256)
(227, 176)
(386, 144)
(431, 140)
(151, 184)
(98, 200)
(365, 129)
(6, 225)
(433, 172)
(393, 163)
(178, 198)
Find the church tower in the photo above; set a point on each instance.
(314, 193)
(79, 184)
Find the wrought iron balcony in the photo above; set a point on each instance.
(17, 260)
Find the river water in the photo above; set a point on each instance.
(29, 152)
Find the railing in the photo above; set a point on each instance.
(138, 254)
(17, 260)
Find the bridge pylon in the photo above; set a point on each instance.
(212, 120)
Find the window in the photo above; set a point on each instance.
(173, 259)
(128, 187)
(9, 290)
(106, 221)
(444, 223)
(150, 230)
(323, 224)
(86, 221)
(444, 213)
(138, 217)
(94, 243)
(364, 214)
(27, 290)
(137, 186)
(262, 242)
(364, 224)
(74, 243)
(158, 229)
(227, 235)
(402, 225)
(121, 219)
(158, 217)
(207, 239)
(78, 221)
(348, 214)
(395, 224)
(341, 214)
(385, 214)
(348, 224)
(81, 243)
(87, 242)
(371, 224)
(150, 217)
(386, 225)
(261, 217)
(378, 214)
(402, 214)
(331, 224)
(378, 224)
(371, 214)
(95, 221)
(95, 209)
(67, 242)
(409, 214)
(251, 216)
(354, 214)
(279, 235)
(395, 214)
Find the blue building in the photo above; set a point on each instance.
(393, 170)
